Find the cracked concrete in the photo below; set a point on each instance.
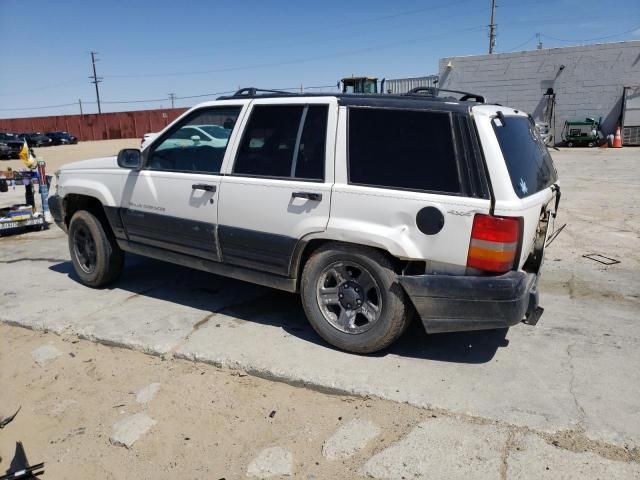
(571, 381)
(581, 412)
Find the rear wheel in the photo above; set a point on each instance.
(96, 257)
(352, 298)
(570, 144)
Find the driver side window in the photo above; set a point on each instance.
(197, 144)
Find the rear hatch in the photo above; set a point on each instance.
(523, 178)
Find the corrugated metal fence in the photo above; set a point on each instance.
(403, 85)
(105, 126)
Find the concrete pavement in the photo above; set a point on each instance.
(571, 383)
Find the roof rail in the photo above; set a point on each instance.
(433, 91)
(252, 92)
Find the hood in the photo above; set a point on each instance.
(94, 163)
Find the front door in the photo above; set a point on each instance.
(172, 203)
(278, 189)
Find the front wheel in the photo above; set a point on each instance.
(352, 298)
(96, 257)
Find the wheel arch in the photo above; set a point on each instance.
(74, 202)
(308, 245)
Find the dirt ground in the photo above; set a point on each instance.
(58, 155)
(210, 422)
(570, 409)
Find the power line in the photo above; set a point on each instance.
(152, 100)
(522, 44)
(298, 60)
(592, 39)
(337, 26)
(40, 108)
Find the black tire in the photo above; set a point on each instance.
(394, 314)
(96, 257)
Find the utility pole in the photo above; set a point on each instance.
(80, 103)
(539, 41)
(492, 28)
(172, 97)
(96, 80)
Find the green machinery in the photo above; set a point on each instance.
(360, 85)
(582, 133)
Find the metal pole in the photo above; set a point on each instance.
(172, 97)
(96, 80)
(80, 103)
(492, 28)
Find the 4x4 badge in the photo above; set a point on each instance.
(523, 186)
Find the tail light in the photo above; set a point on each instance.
(494, 243)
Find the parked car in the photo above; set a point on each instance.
(62, 138)
(36, 139)
(14, 143)
(371, 207)
(146, 138)
(5, 151)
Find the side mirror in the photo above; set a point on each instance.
(130, 158)
(195, 138)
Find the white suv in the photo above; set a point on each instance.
(372, 207)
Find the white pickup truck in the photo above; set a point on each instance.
(374, 208)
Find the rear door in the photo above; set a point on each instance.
(172, 203)
(279, 187)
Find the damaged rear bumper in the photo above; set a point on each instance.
(458, 303)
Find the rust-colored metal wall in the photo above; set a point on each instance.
(105, 126)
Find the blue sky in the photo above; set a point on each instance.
(148, 49)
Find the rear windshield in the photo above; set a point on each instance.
(528, 161)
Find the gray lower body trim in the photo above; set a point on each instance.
(257, 250)
(181, 235)
(240, 273)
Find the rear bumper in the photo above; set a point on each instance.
(459, 303)
(57, 211)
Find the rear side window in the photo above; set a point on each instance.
(402, 149)
(528, 161)
(284, 142)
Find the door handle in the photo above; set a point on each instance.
(316, 197)
(203, 186)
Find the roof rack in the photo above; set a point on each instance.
(433, 92)
(252, 92)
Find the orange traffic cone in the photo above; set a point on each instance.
(617, 140)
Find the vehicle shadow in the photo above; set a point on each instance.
(251, 303)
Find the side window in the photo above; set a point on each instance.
(402, 149)
(197, 144)
(284, 142)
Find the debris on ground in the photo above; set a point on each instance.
(271, 462)
(128, 430)
(146, 394)
(7, 420)
(45, 353)
(349, 439)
